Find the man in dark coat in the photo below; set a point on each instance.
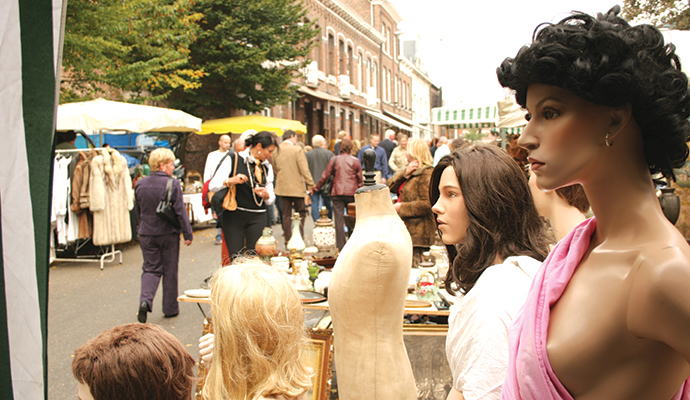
(317, 159)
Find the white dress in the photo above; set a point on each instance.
(479, 321)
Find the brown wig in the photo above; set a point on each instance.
(135, 362)
(575, 196)
(503, 219)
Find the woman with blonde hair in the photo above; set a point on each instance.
(413, 206)
(259, 336)
(159, 239)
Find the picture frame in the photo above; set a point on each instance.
(319, 356)
(426, 349)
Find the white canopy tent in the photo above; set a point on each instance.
(101, 114)
(511, 117)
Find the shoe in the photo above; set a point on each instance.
(171, 316)
(143, 311)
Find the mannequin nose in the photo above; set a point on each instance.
(436, 208)
(527, 140)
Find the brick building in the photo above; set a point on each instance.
(357, 80)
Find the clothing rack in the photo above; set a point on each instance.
(88, 258)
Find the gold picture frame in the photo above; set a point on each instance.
(319, 356)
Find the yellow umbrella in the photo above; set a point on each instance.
(258, 122)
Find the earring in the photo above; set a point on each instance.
(608, 143)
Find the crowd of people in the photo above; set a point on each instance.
(604, 313)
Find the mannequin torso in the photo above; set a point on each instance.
(624, 349)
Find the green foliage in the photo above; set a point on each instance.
(140, 47)
(250, 51)
(672, 14)
(474, 135)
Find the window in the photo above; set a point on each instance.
(360, 77)
(351, 65)
(331, 55)
(341, 58)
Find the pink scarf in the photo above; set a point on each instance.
(529, 373)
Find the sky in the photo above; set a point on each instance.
(461, 42)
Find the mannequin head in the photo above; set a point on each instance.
(134, 361)
(608, 63)
(259, 334)
(501, 219)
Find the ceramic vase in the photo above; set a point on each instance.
(324, 232)
(670, 204)
(266, 245)
(427, 283)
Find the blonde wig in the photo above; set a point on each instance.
(160, 156)
(419, 151)
(259, 334)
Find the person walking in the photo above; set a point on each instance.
(293, 180)
(317, 159)
(347, 179)
(159, 239)
(398, 158)
(213, 160)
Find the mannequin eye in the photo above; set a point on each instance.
(549, 113)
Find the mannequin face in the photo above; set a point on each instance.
(564, 136)
(450, 210)
(542, 200)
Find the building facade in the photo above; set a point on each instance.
(358, 80)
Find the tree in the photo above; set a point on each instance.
(250, 51)
(140, 47)
(474, 135)
(673, 14)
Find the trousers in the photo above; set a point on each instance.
(240, 226)
(339, 208)
(290, 205)
(161, 255)
(317, 201)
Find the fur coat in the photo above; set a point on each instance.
(80, 194)
(111, 198)
(415, 208)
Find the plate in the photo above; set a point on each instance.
(309, 296)
(197, 293)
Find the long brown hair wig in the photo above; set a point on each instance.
(503, 219)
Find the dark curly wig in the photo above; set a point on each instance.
(503, 219)
(607, 62)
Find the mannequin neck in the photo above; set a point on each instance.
(374, 203)
(563, 217)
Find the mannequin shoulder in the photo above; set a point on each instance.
(660, 299)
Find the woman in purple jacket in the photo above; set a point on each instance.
(347, 179)
(159, 240)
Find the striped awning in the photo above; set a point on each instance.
(463, 118)
(388, 120)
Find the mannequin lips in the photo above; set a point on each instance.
(534, 164)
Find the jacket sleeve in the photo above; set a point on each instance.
(270, 180)
(181, 211)
(395, 181)
(304, 170)
(391, 161)
(326, 173)
(421, 206)
(358, 174)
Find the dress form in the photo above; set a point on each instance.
(367, 300)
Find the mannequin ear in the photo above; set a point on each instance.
(619, 118)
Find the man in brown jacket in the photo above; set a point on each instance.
(293, 180)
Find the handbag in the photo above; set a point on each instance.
(207, 195)
(165, 209)
(327, 186)
(219, 198)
